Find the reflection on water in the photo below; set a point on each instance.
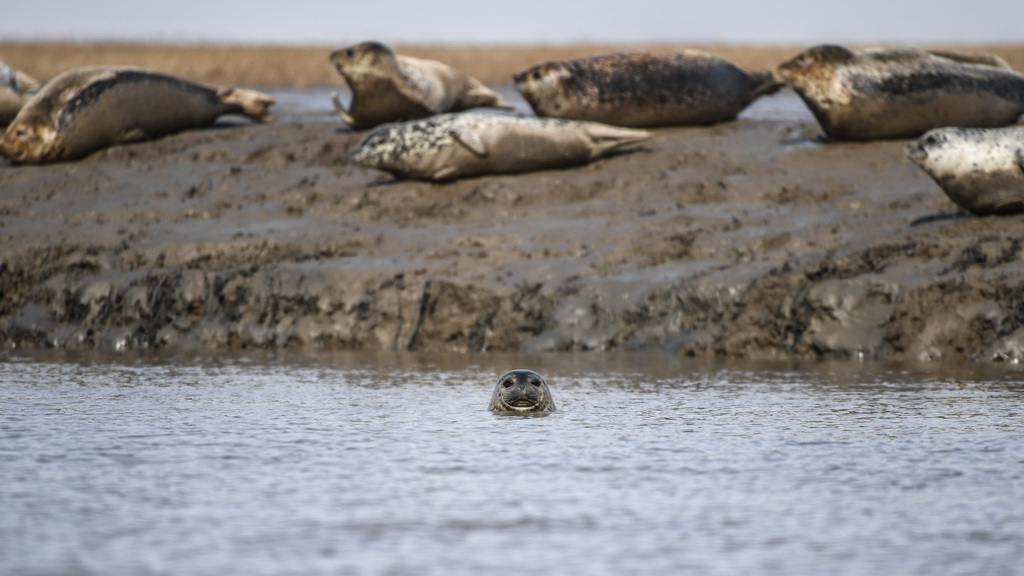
(390, 464)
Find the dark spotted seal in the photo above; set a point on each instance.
(521, 391)
(87, 109)
(387, 87)
(14, 92)
(886, 94)
(643, 89)
(981, 170)
(449, 146)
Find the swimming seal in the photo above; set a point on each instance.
(387, 87)
(643, 89)
(521, 392)
(450, 146)
(14, 92)
(882, 94)
(980, 169)
(87, 109)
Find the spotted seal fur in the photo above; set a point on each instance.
(880, 94)
(521, 392)
(643, 89)
(86, 109)
(14, 92)
(449, 146)
(980, 169)
(388, 87)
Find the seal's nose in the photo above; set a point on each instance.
(915, 152)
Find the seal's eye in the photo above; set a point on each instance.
(21, 133)
(506, 383)
(536, 75)
(350, 53)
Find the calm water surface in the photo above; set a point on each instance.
(390, 464)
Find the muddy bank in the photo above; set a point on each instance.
(747, 239)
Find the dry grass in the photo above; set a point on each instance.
(303, 66)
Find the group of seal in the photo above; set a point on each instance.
(521, 392)
(585, 109)
(958, 105)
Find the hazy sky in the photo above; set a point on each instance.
(521, 21)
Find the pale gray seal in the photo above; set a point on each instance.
(521, 391)
(15, 86)
(87, 109)
(643, 89)
(387, 87)
(449, 146)
(885, 94)
(980, 169)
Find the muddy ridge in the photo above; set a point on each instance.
(750, 239)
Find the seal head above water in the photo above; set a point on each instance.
(981, 170)
(521, 392)
(87, 109)
(881, 94)
(643, 89)
(387, 87)
(450, 146)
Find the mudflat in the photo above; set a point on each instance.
(746, 239)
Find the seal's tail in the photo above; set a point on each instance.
(607, 139)
(764, 83)
(255, 105)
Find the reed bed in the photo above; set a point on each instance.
(305, 66)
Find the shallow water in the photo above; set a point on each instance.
(390, 464)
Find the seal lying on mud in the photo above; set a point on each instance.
(882, 94)
(387, 87)
(981, 170)
(521, 391)
(450, 146)
(87, 109)
(14, 88)
(643, 89)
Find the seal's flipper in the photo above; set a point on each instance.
(477, 95)
(255, 105)
(340, 110)
(446, 173)
(979, 58)
(763, 83)
(417, 88)
(470, 139)
(605, 138)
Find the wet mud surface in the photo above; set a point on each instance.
(749, 239)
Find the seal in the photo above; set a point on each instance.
(86, 109)
(980, 169)
(881, 94)
(643, 89)
(521, 392)
(14, 92)
(450, 146)
(387, 87)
